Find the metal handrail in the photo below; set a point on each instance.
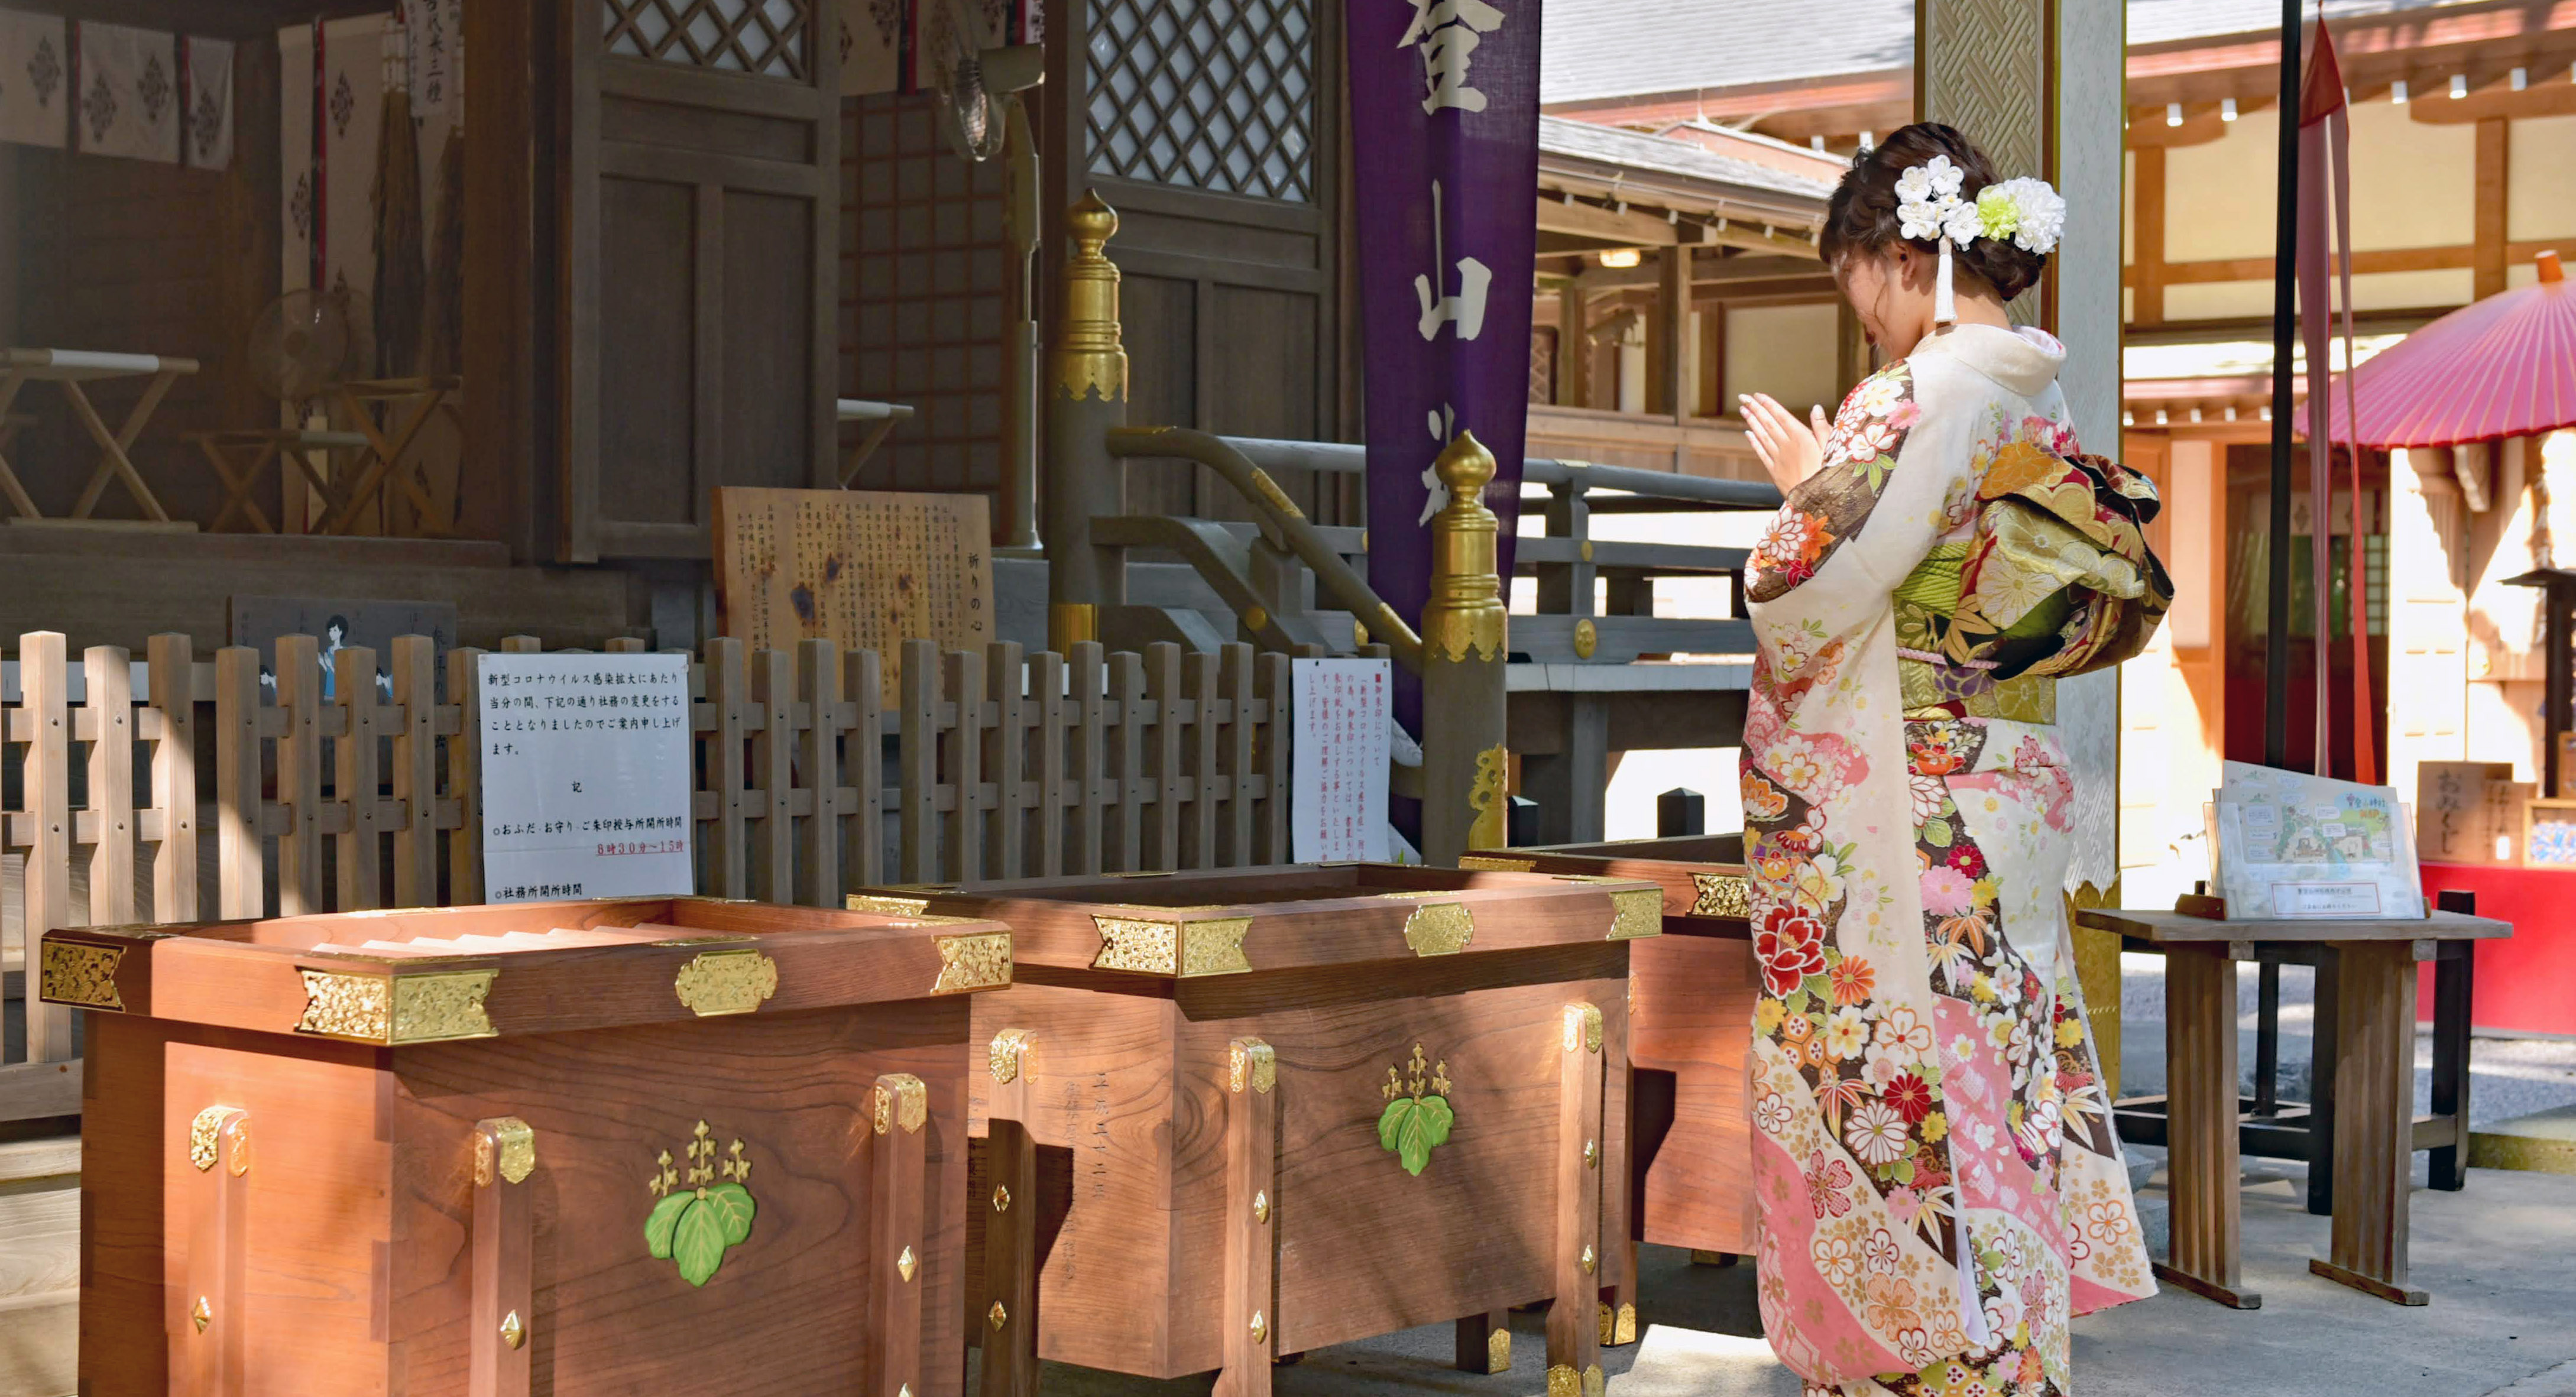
(1294, 529)
(1345, 458)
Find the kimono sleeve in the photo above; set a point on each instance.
(1851, 532)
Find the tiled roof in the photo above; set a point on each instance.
(1638, 151)
(1595, 49)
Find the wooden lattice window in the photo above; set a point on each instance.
(925, 296)
(1542, 365)
(767, 37)
(1205, 94)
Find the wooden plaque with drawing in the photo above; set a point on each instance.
(659, 1144)
(867, 570)
(1297, 1106)
(1690, 1033)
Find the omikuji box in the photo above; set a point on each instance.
(1298, 1106)
(589, 1147)
(1690, 1033)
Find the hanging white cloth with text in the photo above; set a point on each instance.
(35, 79)
(128, 103)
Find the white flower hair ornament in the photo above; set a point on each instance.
(2027, 211)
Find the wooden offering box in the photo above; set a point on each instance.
(584, 1147)
(1690, 1033)
(1303, 1105)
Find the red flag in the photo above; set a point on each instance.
(2325, 188)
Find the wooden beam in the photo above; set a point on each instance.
(2147, 239)
(2494, 163)
(1634, 228)
(2550, 94)
(2202, 123)
(2398, 259)
(1573, 348)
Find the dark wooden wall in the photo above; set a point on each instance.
(132, 256)
(1219, 144)
(925, 297)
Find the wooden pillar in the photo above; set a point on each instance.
(2147, 239)
(1671, 368)
(1009, 1324)
(1573, 347)
(210, 1323)
(2494, 170)
(501, 1349)
(1250, 1318)
(1463, 658)
(898, 1161)
(1573, 1326)
(1086, 397)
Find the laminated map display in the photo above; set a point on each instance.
(2292, 845)
(862, 569)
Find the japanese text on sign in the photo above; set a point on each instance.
(1343, 709)
(585, 775)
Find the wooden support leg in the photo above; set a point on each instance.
(501, 1346)
(209, 1329)
(2374, 1119)
(1251, 1232)
(1010, 1324)
(1618, 1304)
(10, 384)
(899, 1156)
(1485, 1342)
(1573, 1326)
(2200, 1125)
(2453, 987)
(2324, 1058)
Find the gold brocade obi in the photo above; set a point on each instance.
(2054, 579)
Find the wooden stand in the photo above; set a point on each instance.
(574, 1147)
(2373, 1127)
(1285, 1108)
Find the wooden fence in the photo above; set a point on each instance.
(137, 800)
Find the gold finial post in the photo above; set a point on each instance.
(1465, 630)
(1087, 371)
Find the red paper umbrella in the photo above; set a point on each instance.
(2504, 367)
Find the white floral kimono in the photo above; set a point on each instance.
(1939, 1180)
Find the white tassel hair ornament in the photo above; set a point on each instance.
(1928, 205)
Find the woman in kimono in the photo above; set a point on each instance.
(1939, 1181)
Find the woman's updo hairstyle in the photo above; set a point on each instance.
(1860, 218)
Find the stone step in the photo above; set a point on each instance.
(39, 1265)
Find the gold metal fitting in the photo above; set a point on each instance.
(1070, 624)
(1260, 1328)
(997, 1316)
(1260, 1206)
(1591, 1153)
(513, 1333)
(904, 1265)
(1001, 1199)
(202, 1315)
(1587, 637)
(1587, 1261)
(1089, 357)
(1465, 612)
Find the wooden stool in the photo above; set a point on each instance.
(242, 458)
(2374, 1129)
(386, 460)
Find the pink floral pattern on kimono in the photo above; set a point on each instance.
(1939, 1183)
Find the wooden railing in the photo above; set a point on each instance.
(142, 800)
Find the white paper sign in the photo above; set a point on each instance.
(1342, 713)
(585, 776)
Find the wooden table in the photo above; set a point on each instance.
(1691, 994)
(69, 369)
(880, 418)
(2374, 1128)
(1283, 1108)
(664, 1145)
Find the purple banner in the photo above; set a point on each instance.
(1444, 135)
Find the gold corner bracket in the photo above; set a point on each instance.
(1089, 360)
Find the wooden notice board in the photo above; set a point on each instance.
(864, 569)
